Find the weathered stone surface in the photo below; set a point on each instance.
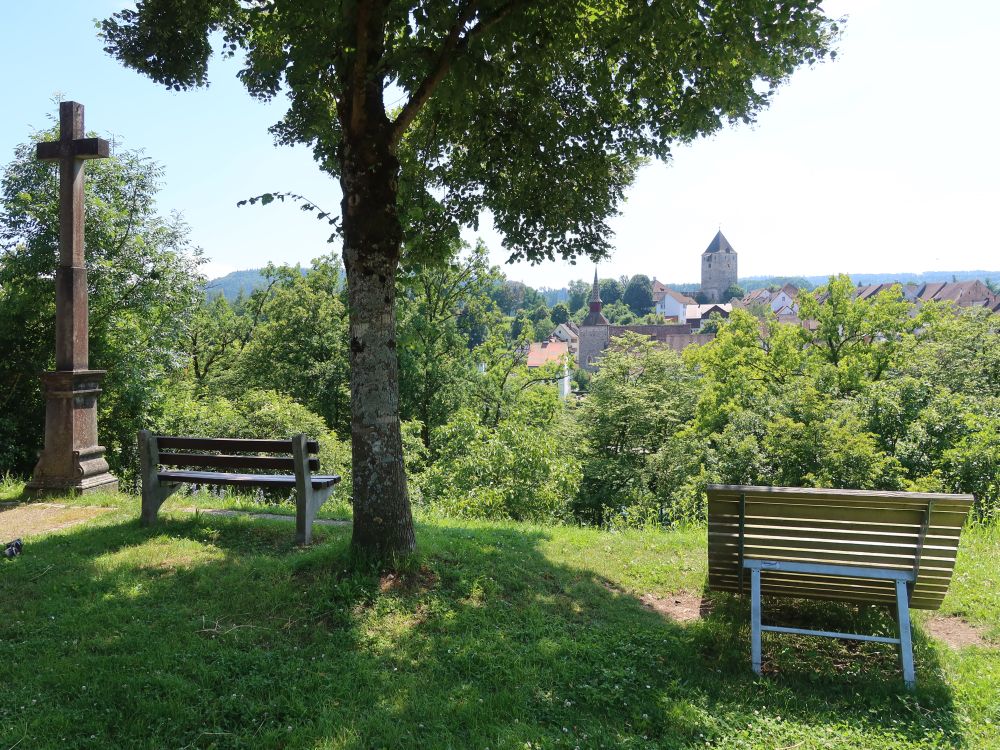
(71, 458)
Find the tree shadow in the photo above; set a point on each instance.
(220, 632)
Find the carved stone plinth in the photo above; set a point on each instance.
(71, 459)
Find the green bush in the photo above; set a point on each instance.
(514, 471)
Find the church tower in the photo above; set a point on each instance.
(595, 333)
(595, 317)
(718, 269)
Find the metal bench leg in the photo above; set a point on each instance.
(905, 638)
(755, 620)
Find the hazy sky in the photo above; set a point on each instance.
(885, 160)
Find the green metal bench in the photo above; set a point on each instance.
(891, 548)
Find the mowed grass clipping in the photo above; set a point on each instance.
(217, 632)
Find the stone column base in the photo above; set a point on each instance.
(71, 460)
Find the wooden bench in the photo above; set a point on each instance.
(223, 453)
(891, 548)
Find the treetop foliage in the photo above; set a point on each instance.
(504, 105)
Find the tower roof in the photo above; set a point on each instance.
(595, 317)
(719, 244)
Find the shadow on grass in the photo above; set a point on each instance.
(219, 632)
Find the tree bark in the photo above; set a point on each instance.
(383, 523)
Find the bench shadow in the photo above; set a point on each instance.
(217, 631)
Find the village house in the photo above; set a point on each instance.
(972, 293)
(781, 301)
(669, 303)
(552, 351)
(570, 333)
(698, 314)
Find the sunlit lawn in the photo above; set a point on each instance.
(220, 632)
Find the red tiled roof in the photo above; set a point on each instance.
(546, 351)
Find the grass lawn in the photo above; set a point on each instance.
(218, 632)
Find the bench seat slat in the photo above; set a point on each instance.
(811, 494)
(825, 582)
(242, 480)
(764, 550)
(223, 461)
(874, 514)
(854, 532)
(812, 541)
(812, 556)
(235, 445)
(847, 591)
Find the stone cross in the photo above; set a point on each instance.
(71, 458)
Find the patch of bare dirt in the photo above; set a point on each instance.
(681, 606)
(38, 518)
(408, 583)
(954, 631)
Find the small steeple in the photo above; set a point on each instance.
(595, 317)
(595, 295)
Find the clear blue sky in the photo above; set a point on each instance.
(885, 160)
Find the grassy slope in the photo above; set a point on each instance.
(218, 632)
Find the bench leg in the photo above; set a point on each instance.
(307, 499)
(305, 512)
(905, 636)
(154, 492)
(755, 620)
(153, 498)
(303, 517)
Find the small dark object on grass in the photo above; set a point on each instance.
(13, 549)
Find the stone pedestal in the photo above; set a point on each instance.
(71, 459)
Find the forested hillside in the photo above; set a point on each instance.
(232, 284)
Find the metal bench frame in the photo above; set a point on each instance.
(903, 579)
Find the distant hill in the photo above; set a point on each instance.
(758, 282)
(231, 284)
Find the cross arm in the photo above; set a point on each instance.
(81, 148)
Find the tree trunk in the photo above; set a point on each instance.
(383, 523)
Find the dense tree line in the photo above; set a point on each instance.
(873, 394)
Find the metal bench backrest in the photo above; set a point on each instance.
(226, 453)
(918, 532)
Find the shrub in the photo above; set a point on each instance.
(514, 471)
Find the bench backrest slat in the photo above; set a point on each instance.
(223, 461)
(232, 445)
(845, 527)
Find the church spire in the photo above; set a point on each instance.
(595, 317)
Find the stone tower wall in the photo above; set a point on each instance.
(593, 341)
(718, 273)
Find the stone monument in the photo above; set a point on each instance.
(71, 458)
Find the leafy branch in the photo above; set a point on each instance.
(304, 204)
